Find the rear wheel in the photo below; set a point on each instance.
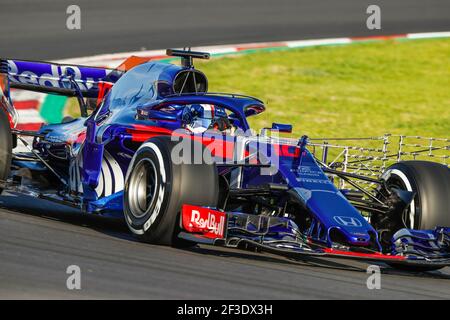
(156, 188)
(5, 147)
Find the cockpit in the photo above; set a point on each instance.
(199, 118)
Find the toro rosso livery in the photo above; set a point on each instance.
(182, 166)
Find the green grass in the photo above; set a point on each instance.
(364, 89)
(359, 90)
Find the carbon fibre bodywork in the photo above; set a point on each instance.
(91, 156)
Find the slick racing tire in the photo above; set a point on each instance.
(431, 183)
(156, 188)
(5, 147)
(431, 205)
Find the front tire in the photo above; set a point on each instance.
(156, 188)
(431, 205)
(431, 183)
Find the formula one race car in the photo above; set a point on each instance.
(182, 166)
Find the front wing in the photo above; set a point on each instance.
(278, 235)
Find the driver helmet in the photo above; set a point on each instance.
(200, 117)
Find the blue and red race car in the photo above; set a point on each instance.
(182, 166)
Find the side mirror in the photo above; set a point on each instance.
(281, 127)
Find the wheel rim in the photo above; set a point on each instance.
(395, 181)
(142, 188)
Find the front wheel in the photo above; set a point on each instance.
(431, 183)
(156, 188)
(430, 207)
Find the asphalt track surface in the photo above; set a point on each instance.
(39, 240)
(37, 29)
(37, 246)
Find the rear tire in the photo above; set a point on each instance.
(156, 188)
(6, 143)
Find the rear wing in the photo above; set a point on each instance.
(62, 79)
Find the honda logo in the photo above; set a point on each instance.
(347, 221)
